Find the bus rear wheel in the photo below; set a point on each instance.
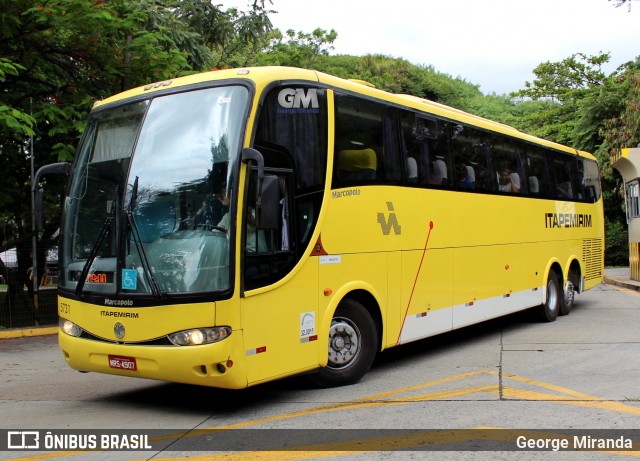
(555, 296)
(353, 342)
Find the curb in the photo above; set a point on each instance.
(27, 332)
(621, 283)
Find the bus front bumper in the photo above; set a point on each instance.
(220, 364)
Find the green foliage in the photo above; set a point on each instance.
(11, 119)
(601, 103)
(298, 49)
(617, 239)
(557, 94)
(622, 129)
(396, 75)
(565, 80)
(231, 38)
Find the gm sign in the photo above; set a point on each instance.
(298, 98)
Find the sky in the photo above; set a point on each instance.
(495, 44)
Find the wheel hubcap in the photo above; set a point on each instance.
(552, 297)
(344, 343)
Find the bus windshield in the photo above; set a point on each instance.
(148, 203)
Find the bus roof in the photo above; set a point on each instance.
(263, 76)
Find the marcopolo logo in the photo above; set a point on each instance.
(298, 101)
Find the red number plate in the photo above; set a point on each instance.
(123, 363)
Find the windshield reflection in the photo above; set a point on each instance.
(171, 231)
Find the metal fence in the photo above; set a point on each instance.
(20, 307)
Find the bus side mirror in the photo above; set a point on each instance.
(38, 192)
(53, 168)
(268, 211)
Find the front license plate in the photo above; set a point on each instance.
(123, 363)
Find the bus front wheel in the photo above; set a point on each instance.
(555, 296)
(353, 341)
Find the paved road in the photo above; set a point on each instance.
(579, 373)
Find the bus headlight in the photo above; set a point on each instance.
(69, 327)
(199, 336)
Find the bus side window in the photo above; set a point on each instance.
(472, 155)
(426, 148)
(565, 184)
(367, 144)
(589, 179)
(509, 163)
(537, 172)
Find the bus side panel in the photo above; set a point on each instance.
(281, 327)
(426, 295)
(479, 281)
(345, 273)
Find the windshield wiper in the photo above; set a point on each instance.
(96, 245)
(153, 283)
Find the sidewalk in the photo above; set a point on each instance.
(620, 276)
(13, 333)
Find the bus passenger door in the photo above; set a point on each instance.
(279, 316)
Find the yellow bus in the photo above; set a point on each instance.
(234, 227)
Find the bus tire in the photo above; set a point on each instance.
(569, 298)
(353, 342)
(555, 296)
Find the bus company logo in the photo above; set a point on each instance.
(567, 220)
(389, 223)
(126, 315)
(298, 101)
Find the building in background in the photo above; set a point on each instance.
(627, 162)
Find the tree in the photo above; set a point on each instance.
(623, 130)
(560, 86)
(298, 49)
(566, 80)
(230, 38)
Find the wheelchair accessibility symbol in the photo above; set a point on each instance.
(129, 279)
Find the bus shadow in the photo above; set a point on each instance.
(407, 354)
(171, 397)
(418, 350)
